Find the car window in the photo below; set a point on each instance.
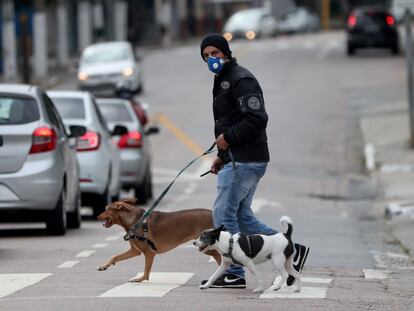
(373, 18)
(105, 54)
(115, 112)
(18, 110)
(70, 108)
(53, 114)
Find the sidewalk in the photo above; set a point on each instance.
(390, 162)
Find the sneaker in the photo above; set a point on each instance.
(228, 281)
(301, 253)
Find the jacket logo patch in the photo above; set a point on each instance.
(253, 103)
(225, 85)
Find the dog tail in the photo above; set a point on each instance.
(287, 225)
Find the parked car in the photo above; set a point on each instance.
(98, 157)
(110, 67)
(39, 173)
(136, 170)
(298, 21)
(250, 24)
(371, 27)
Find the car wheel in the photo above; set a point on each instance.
(75, 218)
(143, 191)
(350, 50)
(56, 219)
(100, 202)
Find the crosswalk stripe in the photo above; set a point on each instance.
(68, 264)
(159, 285)
(11, 283)
(85, 254)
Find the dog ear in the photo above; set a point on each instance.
(122, 206)
(130, 201)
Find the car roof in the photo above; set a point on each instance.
(70, 94)
(111, 100)
(24, 89)
(109, 44)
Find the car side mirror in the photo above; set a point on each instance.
(77, 130)
(119, 130)
(152, 130)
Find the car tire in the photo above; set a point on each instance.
(350, 50)
(56, 219)
(75, 217)
(143, 191)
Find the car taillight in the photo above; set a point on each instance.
(130, 140)
(89, 141)
(352, 20)
(390, 20)
(43, 139)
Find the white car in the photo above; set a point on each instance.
(135, 149)
(250, 24)
(111, 67)
(98, 157)
(39, 173)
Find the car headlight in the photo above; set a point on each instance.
(127, 72)
(250, 35)
(83, 76)
(228, 36)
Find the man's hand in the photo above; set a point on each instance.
(216, 166)
(221, 142)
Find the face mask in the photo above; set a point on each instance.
(215, 64)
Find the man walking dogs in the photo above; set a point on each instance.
(240, 121)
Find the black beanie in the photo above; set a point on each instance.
(218, 41)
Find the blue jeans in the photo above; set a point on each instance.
(232, 209)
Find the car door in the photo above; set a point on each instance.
(67, 148)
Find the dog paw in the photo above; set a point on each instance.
(203, 287)
(137, 280)
(102, 268)
(276, 288)
(258, 290)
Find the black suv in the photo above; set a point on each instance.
(371, 27)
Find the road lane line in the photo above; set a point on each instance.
(84, 254)
(99, 245)
(11, 283)
(158, 286)
(68, 264)
(113, 238)
(376, 274)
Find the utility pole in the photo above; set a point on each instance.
(325, 14)
(9, 41)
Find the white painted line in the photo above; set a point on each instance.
(376, 274)
(159, 284)
(68, 264)
(11, 283)
(369, 153)
(310, 280)
(112, 238)
(259, 203)
(85, 254)
(99, 245)
(288, 292)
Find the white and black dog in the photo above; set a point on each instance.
(249, 250)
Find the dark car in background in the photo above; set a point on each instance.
(371, 27)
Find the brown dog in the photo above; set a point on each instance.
(165, 230)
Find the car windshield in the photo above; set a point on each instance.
(18, 110)
(104, 54)
(70, 108)
(251, 17)
(115, 112)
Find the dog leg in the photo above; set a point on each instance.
(132, 252)
(252, 268)
(278, 262)
(219, 272)
(149, 259)
(289, 268)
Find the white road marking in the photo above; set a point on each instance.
(68, 264)
(159, 285)
(376, 274)
(84, 254)
(11, 283)
(99, 245)
(112, 238)
(259, 203)
(308, 292)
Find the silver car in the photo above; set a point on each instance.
(110, 66)
(134, 146)
(98, 157)
(38, 167)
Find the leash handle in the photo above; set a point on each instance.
(130, 234)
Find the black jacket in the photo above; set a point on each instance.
(239, 114)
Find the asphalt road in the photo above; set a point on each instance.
(312, 92)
